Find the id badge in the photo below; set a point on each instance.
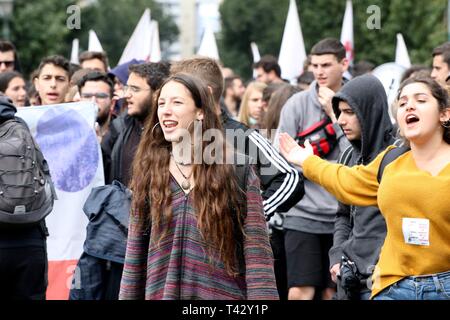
(416, 231)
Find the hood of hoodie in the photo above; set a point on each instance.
(367, 98)
(7, 109)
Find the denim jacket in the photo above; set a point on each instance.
(107, 209)
(99, 268)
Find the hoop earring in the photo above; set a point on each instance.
(151, 132)
(196, 120)
(189, 126)
(446, 124)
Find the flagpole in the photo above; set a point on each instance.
(448, 20)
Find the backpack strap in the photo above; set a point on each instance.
(388, 157)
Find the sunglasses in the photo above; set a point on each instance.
(8, 64)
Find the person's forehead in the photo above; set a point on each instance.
(8, 54)
(237, 82)
(438, 61)
(51, 69)
(134, 78)
(17, 80)
(323, 58)
(97, 86)
(93, 62)
(344, 105)
(415, 88)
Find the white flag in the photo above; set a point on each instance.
(94, 42)
(401, 53)
(140, 43)
(208, 45)
(292, 51)
(155, 53)
(75, 51)
(255, 52)
(347, 32)
(256, 56)
(65, 133)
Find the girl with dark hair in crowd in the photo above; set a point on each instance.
(12, 84)
(195, 232)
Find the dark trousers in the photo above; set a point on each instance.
(23, 273)
(279, 254)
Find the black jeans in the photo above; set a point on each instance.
(23, 273)
(279, 254)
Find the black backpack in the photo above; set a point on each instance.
(26, 189)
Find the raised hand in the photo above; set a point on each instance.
(325, 96)
(292, 151)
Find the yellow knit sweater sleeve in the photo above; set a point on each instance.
(355, 185)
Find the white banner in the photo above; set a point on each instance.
(66, 135)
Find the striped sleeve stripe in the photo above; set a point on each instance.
(270, 207)
(292, 177)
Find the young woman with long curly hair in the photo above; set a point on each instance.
(206, 237)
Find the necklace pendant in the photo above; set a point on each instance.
(186, 185)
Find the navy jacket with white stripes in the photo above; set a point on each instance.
(281, 184)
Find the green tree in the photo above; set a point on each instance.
(263, 21)
(114, 22)
(39, 28)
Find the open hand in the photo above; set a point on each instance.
(292, 151)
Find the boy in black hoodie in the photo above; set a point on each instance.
(362, 110)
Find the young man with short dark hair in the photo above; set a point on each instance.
(441, 63)
(98, 87)
(232, 95)
(52, 80)
(361, 107)
(8, 57)
(120, 143)
(268, 70)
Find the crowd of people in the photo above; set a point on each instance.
(310, 192)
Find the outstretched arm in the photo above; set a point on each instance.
(357, 185)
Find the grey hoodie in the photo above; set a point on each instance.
(360, 231)
(316, 212)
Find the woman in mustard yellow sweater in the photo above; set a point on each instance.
(413, 195)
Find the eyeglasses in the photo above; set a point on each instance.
(8, 64)
(134, 89)
(99, 95)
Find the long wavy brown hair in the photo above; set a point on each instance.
(215, 196)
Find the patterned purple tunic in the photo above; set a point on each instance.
(179, 267)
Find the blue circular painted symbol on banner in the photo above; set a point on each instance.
(70, 147)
